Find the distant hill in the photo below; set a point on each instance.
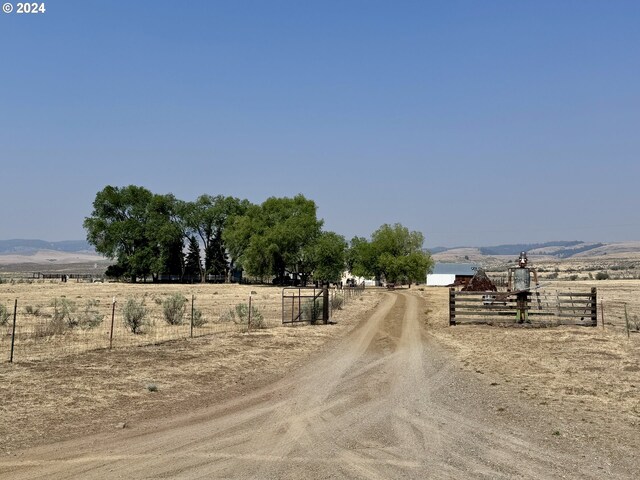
(558, 250)
(27, 247)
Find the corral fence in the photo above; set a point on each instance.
(543, 308)
(312, 304)
(60, 329)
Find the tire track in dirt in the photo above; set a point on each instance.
(386, 402)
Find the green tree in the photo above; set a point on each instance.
(275, 237)
(165, 230)
(329, 257)
(117, 229)
(362, 259)
(207, 218)
(394, 253)
(193, 261)
(141, 231)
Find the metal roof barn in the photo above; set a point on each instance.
(446, 273)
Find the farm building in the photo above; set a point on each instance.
(451, 274)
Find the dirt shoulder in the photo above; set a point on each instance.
(48, 401)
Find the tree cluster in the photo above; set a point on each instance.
(151, 235)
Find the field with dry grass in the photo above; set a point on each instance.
(58, 395)
(89, 307)
(591, 374)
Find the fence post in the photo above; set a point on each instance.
(594, 307)
(325, 304)
(626, 321)
(452, 306)
(13, 331)
(113, 317)
(602, 313)
(249, 322)
(192, 301)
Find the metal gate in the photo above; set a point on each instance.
(305, 304)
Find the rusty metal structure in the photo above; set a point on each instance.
(519, 283)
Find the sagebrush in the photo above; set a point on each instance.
(134, 315)
(5, 314)
(173, 309)
(240, 315)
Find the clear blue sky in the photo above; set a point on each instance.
(475, 122)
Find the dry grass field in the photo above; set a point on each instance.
(71, 383)
(590, 374)
(60, 395)
(38, 339)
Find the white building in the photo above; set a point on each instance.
(449, 273)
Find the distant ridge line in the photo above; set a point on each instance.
(26, 246)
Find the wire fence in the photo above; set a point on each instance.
(65, 327)
(623, 317)
(54, 320)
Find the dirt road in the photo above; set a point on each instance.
(384, 402)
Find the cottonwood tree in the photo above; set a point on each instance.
(138, 229)
(393, 253)
(275, 238)
(116, 228)
(329, 257)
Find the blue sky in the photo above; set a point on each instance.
(476, 123)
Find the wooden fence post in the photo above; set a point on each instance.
(249, 322)
(602, 313)
(452, 306)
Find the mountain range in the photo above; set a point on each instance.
(17, 250)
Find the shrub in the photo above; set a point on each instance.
(312, 311)
(55, 326)
(602, 276)
(240, 315)
(64, 312)
(337, 303)
(4, 315)
(66, 316)
(90, 317)
(134, 315)
(173, 309)
(573, 277)
(31, 310)
(198, 318)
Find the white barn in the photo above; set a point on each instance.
(448, 273)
